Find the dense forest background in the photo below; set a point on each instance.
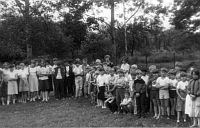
(28, 30)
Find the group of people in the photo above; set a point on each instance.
(123, 89)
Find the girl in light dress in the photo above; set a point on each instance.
(12, 85)
(33, 81)
(194, 94)
(23, 83)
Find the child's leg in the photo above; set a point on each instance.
(14, 99)
(198, 120)
(155, 108)
(8, 99)
(2, 100)
(46, 95)
(195, 122)
(178, 116)
(162, 104)
(43, 95)
(172, 105)
(159, 108)
(184, 117)
(167, 106)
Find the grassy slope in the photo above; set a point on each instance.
(70, 113)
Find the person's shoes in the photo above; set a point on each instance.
(103, 107)
(193, 126)
(158, 117)
(115, 113)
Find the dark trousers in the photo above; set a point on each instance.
(70, 86)
(119, 97)
(59, 88)
(141, 101)
(147, 105)
(112, 106)
(66, 87)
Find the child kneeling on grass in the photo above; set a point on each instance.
(111, 103)
(126, 103)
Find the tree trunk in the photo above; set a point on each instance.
(113, 30)
(27, 20)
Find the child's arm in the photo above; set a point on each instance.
(177, 91)
(113, 88)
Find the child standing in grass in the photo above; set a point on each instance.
(154, 92)
(172, 90)
(3, 88)
(139, 90)
(43, 81)
(101, 89)
(12, 85)
(181, 92)
(33, 81)
(194, 93)
(23, 83)
(163, 84)
(126, 103)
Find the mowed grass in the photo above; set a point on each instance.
(72, 113)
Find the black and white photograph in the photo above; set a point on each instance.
(99, 63)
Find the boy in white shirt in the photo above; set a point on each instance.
(163, 83)
(101, 89)
(78, 72)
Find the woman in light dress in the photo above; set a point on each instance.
(33, 81)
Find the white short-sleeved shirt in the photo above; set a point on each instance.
(125, 67)
(182, 85)
(107, 78)
(163, 81)
(101, 80)
(78, 70)
(126, 101)
(23, 73)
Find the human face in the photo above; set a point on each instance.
(194, 76)
(139, 75)
(126, 95)
(162, 74)
(184, 78)
(121, 74)
(172, 76)
(12, 69)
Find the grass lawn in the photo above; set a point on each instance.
(70, 113)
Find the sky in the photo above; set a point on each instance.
(103, 12)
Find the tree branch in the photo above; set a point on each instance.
(19, 6)
(132, 15)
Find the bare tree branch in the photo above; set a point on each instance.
(132, 15)
(19, 6)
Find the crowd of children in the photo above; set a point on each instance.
(123, 89)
